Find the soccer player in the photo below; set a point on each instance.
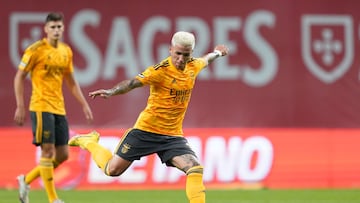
(49, 62)
(158, 128)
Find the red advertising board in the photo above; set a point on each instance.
(292, 63)
(280, 111)
(232, 158)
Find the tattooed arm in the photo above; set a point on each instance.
(121, 88)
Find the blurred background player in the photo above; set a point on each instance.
(158, 128)
(49, 62)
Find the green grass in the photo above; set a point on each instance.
(178, 196)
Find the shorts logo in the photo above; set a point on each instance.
(327, 45)
(47, 134)
(24, 29)
(126, 147)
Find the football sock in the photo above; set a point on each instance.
(32, 175)
(47, 175)
(195, 189)
(35, 173)
(99, 154)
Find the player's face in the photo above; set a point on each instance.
(180, 55)
(54, 30)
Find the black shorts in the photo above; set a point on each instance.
(137, 143)
(49, 128)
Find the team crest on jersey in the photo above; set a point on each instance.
(126, 147)
(192, 75)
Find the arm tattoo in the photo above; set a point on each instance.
(125, 86)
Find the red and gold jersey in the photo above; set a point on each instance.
(170, 92)
(47, 66)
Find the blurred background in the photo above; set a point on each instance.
(280, 111)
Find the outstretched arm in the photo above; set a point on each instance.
(219, 50)
(121, 88)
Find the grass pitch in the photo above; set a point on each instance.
(178, 196)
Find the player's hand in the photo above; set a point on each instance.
(88, 113)
(102, 93)
(19, 116)
(223, 49)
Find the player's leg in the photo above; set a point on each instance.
(35, 173)
(55, 134)
(89, 142)
(61, 140)
(111, 165)
(46, 168)
(43, 125)
(175, 151)
(37, 129)
(195, 189)
(24, 181)
(61, 153)
(59, 158)
(116, 166)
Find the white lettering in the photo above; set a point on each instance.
(147, 37)
(136, 173)
(222, 69)
(226, 160)
(220, 160)
(269, 60)
(86, 47)
(264, 150)
(121, 40)
(163, 174)
(133, 53)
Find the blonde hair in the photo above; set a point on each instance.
(184, 39)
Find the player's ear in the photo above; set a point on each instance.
(45, 28)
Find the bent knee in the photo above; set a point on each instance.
(116, 167)
(110, 171)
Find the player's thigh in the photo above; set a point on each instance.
(117, 165)
(61, 130)
(43, 128)
(185, 162)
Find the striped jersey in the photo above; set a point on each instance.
(47, 66)
(170, 92)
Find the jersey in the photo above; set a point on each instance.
(170, 92)
(47, 66)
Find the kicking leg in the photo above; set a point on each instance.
(111, 165)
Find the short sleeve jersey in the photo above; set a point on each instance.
(170, 92)
(47, 66)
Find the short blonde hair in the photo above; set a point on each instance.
(184, 39)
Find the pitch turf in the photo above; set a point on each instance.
(178, 196)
